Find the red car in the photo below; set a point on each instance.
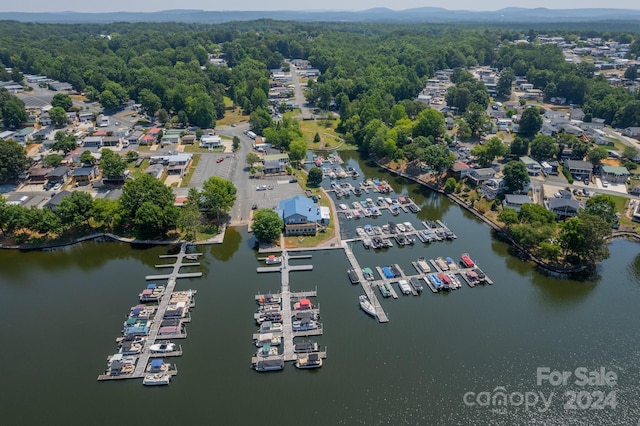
(220, 160)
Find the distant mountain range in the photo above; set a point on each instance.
(417, 15)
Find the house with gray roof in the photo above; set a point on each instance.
(563, 208)
(478, 176)
(579, 169)
(515, 201)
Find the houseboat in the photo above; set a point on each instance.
(442, 264)
(273, 260)
(416, 284)
(269, 364)
(384, 290)
(305, 347)
(270, 327)
(267, 351)
(152, 293)
(268, 339)
(466, 261)
(311, 360)
(423, 265)
(353, 276)
(156, 379)
(304, 325)
(435, 281)
(368, 274)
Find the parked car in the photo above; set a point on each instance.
(254, 207)
(293, 180)
(57, 186)
(605, 183)
(261, 188)
(220, 160)
(586, 192)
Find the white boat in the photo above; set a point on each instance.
(163, 347)
(342, 206)
(310, 360)
(367, 306)
(401, 227)
(271, 327)
(454, 280)
(304, 325)
(408, 226)
(273, 260)
(156, 379)
(404, 286)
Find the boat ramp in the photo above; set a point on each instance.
(160, 316)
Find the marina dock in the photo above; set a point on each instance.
(142, 360)
(367, 286)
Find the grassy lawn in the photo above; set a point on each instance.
(192, 168)
(136, 172)
(231, 115)
(325, 129)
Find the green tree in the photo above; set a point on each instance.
(108, 212)
(236, 143)
(603, 206)
(143, 189)
(477, 118)
(53, 160)
(597, 154)
(515, 175)
(12, 217)
(149, 102)
(75, 209)
(13, 111)
(113, 166)
(267, 225)
(297, 150)
(150, 220)
(450, 184)
(87, 158)
(63, 142)
(508, 216)
(315, 176)
(489, 151)
(630, 152)
(536, 214)
(58, 116)
(13, 160)
(217, 196)
(316, 138)
(189, 221)
(582, 239)
(549, 251)
(505, 81)
(252, 158)
(430, 122)
(62, 100)
(438, 157)
(530, 122)
(464, 130)
(544, 147)
(260, 119)
(520, 146)
(109, 100)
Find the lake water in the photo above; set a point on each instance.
(62, 310)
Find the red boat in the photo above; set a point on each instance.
(466, 260)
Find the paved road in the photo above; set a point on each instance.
(298, 93)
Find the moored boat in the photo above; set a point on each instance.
(466, 261)
(353, 276)
(269, 364)
(311, 360)
(273, 260)
(304, 347)
(156, 379)
(162, 347)
(405, 288)
(366, 305)
(423, 265)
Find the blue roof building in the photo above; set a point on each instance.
(301, 216)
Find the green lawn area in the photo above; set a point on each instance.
(136, 172)
(231, 114)
(194, 164)
(325, 129)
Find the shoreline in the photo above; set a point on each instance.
(499, 230)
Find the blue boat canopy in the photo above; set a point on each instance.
(156, 363)
(151, 286)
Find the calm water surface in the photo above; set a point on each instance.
(62, 310)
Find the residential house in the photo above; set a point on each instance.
(460, 170)
(45, 119)
(596, 123)
(579, 169)
(133, 137)
(275, 163)
(188, 139)
(111, 141)
(614, 174)
(449, 122)
(147, 140)
(102, 121)
(576, 114)
(478, 176)
(23, 135)
(60, 87)
(6, 135)
(301, 216)
(38, 174)
(92, 142)
(55, 201)
(533, 167)
(515, 201)
(632, 132)
(155, 170)
(210, 141)
(171, 136)
(178, 164)
(85, 117)
(44, 134)
(563, 207)
(81, 176)
(59, 175)
(492, 187)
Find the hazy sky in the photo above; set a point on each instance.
(218, 5)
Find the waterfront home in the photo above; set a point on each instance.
(563, 208)
(478, 176)
(301, 216)
(492, 187)
(515, 201)
(460, 170)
